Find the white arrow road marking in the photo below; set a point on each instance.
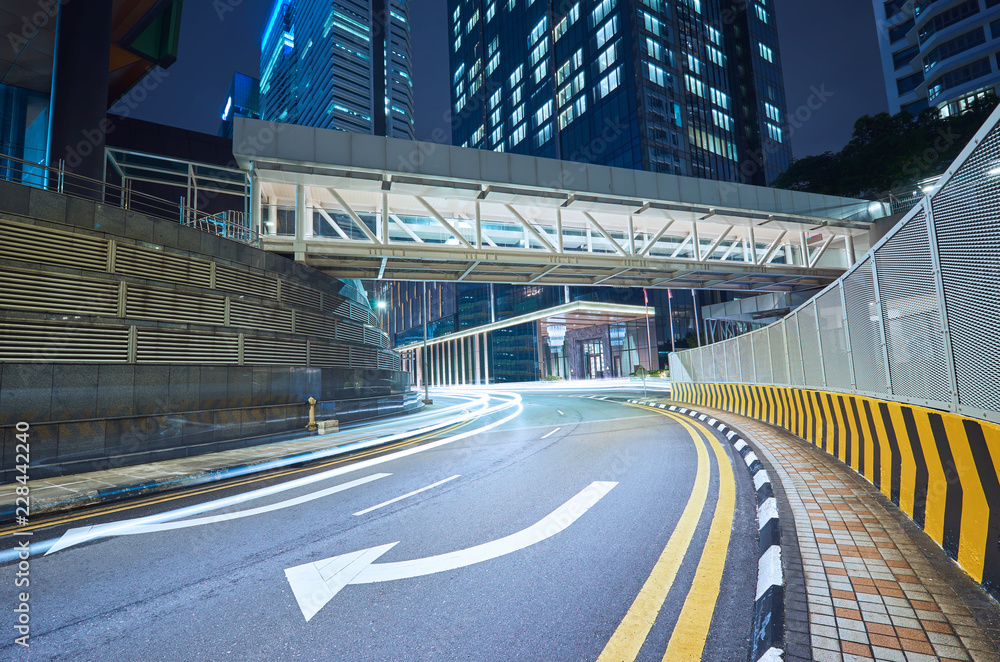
(408, 494)
(560, 412)
(551, 433)
(315, 584)
(85, 533)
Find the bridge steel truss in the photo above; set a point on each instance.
(333, 200)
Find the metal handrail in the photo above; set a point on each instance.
(229, 224)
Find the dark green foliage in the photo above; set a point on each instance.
(888, 152)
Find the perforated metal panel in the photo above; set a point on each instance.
(748, 373)
(255, 316)
(966, 215)
(833, 336)
(911, 313)
(687, 360)
(30, 243)
(809, 338)
(708, 363)
(28, 341)
(732, 366)
(274, 352)
(776, 343)
(796, 377)
(165, 346)
(57, 293)
(762, 356)
(863, 324)
(158, 265)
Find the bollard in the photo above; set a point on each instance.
(312, 413)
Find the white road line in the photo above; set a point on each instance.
(551, 433)
(408, 494)
(560, 412)
(315, 584)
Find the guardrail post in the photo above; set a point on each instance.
(881, 324)
(942, 308)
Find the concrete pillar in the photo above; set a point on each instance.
(475, 357)
(461, 352)
(300, 212)
(79, 102)
(486, 359)
(419, 354)
(450, 372)
(256, 210)
(272, 216)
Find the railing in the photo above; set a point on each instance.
(903, 200)
(233, 225)
(917, 320)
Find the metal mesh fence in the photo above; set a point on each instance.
(917, 320)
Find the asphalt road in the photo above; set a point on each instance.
(536, 537)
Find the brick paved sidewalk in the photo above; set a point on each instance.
(865, 583)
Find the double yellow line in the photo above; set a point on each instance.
(55, 520)
(687, 641)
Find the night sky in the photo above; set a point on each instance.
(831, 48)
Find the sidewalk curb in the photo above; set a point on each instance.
(167, 483)
(769, 603)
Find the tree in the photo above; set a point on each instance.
(888, 152)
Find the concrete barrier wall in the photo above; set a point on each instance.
(939, 468)
(126, 338)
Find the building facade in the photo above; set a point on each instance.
(243, 100)
(943, 54)
(338, 65)
(691, 88)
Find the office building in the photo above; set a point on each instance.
(338, 65)
(943, 54)
(243, 100)
(690, 88)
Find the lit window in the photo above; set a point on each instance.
(458, 73)
(541, 72)
(715, 36)
(491, 12)
(720, 99)
(772, 112)
(569, 19)
(517, 115)
(694, 64)
(657, 74)
(459, 104)
(608, 83)
(773, 132)
(538, 31)
(515, 77)
(652, 24)
(495, 117)
(694, 85)
(607, 31)
(477, 136)
(515, 95)
(766, 52)
(497, 136)
(539, 52)
(493, 63)
(544, 135)
(495, 98)
(472, 22)
(715, 55)
(601, 11)
(543, 113)
(608, 56)
(517, 135)
(722, 120)
(761, 13)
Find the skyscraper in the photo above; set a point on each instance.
(338, 65)
(941, 54)
(690, 88)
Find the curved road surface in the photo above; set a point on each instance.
(577, 529)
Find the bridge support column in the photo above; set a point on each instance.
(475, 357)
(486, 359)
(448, 375)
(256, 208)
(461, 346)
(272, 217)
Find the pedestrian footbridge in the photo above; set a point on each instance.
(360, 206)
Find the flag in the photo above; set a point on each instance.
(645, 296)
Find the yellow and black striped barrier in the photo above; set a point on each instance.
(941, 469)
